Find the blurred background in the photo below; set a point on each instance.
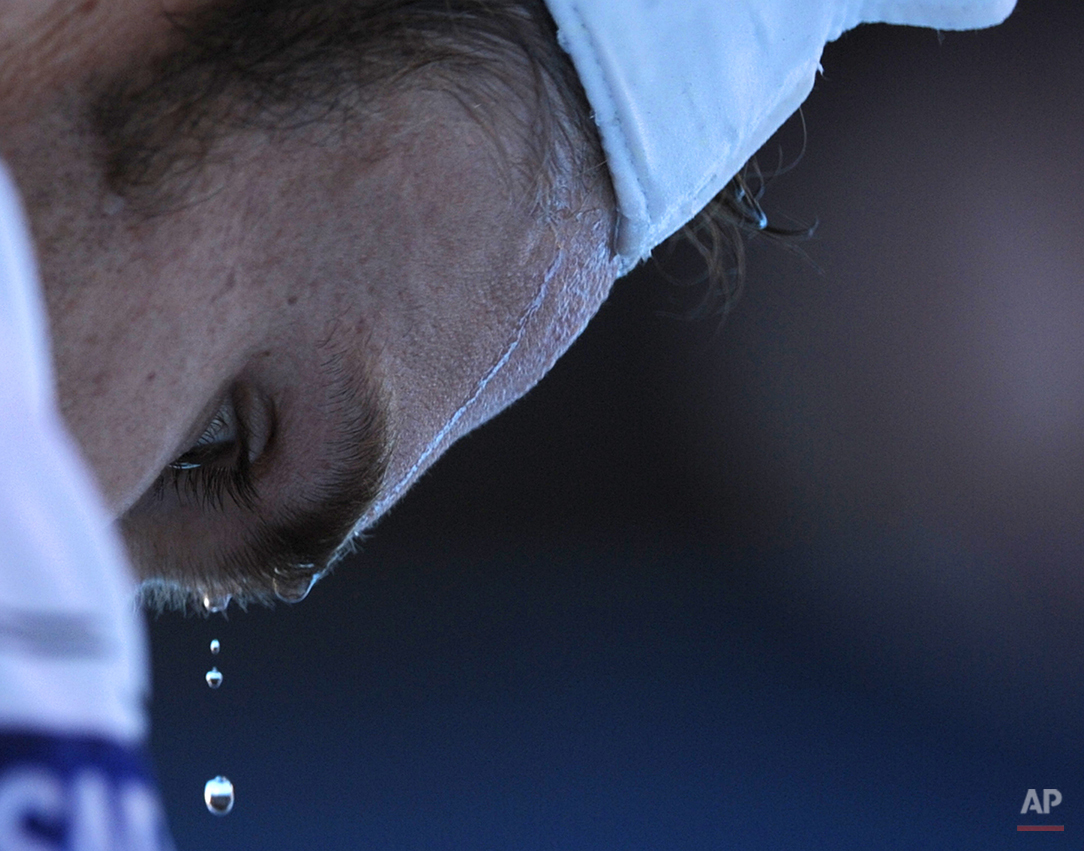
(810, 580)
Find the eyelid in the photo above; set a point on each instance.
(244, 418)
(223, 425)
(223, 431)
(256, 420)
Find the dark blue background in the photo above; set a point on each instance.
(814, 581)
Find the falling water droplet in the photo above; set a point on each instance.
(214, 678)
(218, 795)
(215, 604)
(215, 646)
(294, 589)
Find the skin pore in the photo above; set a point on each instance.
(257, 368)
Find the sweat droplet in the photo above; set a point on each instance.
(215, 646)
(214, 678)
(218, 795)
(215, 604)
(294, 589)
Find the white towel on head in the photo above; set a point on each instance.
(685, 91)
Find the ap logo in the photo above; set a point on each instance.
(1051, 798)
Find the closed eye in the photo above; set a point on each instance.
(287, 528)
(216, 467)
(221, 435)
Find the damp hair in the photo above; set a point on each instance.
(289, 66)
(717, 238)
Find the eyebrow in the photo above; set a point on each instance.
(310, 531)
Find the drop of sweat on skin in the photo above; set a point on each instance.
(218, 795)
(214, 678)
(294, 590)
(215, 604)
(215, 646)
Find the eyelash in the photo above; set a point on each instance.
(209, 477)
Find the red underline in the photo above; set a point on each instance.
(1040, 827)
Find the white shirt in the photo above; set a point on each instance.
(73, 654)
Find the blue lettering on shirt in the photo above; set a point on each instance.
(63, 793)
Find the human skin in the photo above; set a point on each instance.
(405, 250)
